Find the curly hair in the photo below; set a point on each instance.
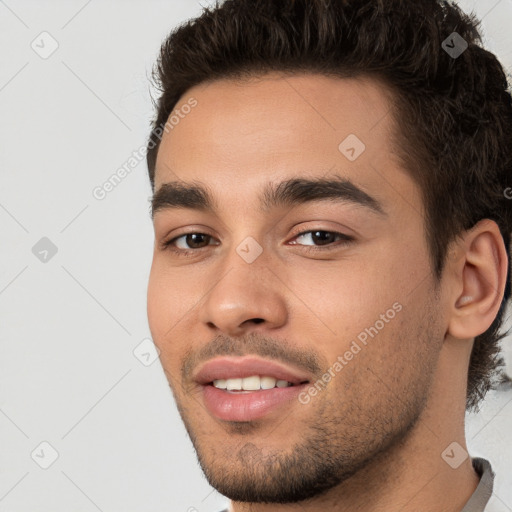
(454, 110)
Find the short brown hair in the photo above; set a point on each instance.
(455, 112)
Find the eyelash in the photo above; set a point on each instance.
(345, 240)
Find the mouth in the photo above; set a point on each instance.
(248, 388)
(252, 383)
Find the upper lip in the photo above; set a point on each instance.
(240, 367)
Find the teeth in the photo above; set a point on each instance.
(221, 383)
(252, 383)
(233, 384)
(268, 382)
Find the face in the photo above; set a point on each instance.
(298, 270)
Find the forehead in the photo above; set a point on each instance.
(241, 135)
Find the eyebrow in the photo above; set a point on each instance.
(289, 193)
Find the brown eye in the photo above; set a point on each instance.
(196, 240)
(189, 241)
(320, 237)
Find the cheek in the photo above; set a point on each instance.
(165, 304)
(156, 303)
(161, 311)
(171, 290)
(366, 297)
(173, 301)
(342, 299)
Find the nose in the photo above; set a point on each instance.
(245, 296)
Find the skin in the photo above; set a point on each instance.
(380, 426)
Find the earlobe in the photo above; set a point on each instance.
(481, 272)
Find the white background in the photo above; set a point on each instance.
(68, 327)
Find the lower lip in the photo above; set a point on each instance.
(248, 406)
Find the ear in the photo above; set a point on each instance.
(478, 266)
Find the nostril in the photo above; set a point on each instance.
(258, 320)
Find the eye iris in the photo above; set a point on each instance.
(323, 237)
(195, 238)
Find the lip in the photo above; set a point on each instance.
(244, 406)
(240, 367)
(249, 405)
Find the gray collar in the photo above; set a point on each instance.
(483, 492)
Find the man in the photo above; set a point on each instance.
(331, 249)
